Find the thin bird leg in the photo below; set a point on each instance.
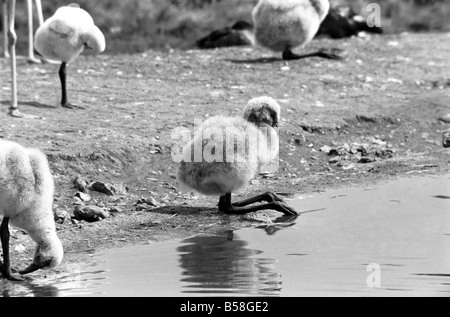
(224, 202)
(267, 196)
(12, 39)
(62, 77)
(6, 267)
(39, 12)
(31, 50)
(227, 207)
(5, 28)
(331, 54)
(31, 58)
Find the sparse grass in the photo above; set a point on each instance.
(137, 25)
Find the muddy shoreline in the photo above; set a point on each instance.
(372, 117)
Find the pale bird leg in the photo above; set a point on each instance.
(12, 39)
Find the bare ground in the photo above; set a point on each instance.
(377, 110)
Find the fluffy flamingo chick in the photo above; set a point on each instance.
(26, 198)
(226, 153)
(64, 35)
(283, 25)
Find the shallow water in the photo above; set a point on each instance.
(388, 240)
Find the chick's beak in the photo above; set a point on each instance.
(34, 267)
(29, 269)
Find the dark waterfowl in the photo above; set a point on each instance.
(342, 21)
(239, 34)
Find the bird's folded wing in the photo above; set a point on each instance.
(61, 28)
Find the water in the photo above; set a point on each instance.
(388, 240)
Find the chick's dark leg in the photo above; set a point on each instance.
(225, 202)
(6, 265)
(62, 77)
(289, 55)
(329, 54)
(267, 196)
(227, 207)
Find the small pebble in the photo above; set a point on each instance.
(446, 139)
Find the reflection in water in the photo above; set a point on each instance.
(11, 289)
(402, 226)
(441, 196)
(272, 227)
(223, 264)
(72, 284)
(434, 274)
